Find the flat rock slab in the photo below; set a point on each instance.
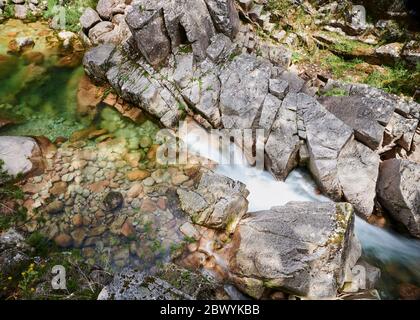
(302, 248)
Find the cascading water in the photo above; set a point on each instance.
(397, 257)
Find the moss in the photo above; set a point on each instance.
(336, 92)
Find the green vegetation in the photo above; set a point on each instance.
(336, 92)
(73, 11)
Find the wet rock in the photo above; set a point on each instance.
(138, 175)
(77, 220)
(301, 248)
(20, 44)
(217, 202)
(79, 236)
(135, 190)
(409, 291)
(113, 201)
(63, 240)
(55, 207)
(398, 191)
(127, 229)
(21, 155)
(130, 284)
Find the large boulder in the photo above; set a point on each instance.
(399, 192)
(245, 82)
(96, 62)
(342, 166)
(366, 116)
(225, 16)
(147, 25)
(357, 170)
(20, 155)
(326, 138)
(306, 249)
(282, 146)
(217, 202)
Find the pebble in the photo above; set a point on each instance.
(149, 182)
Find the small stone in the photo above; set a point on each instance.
(55, 207)
(128, 230)
(146, 142)
(138, 175)
(148, 206)
(179, 179)
(135, 190)
(63, 240)
(113, 201)
(189, 231)
(149, 182)
(78, 235)
(77, 220)
(162, 203)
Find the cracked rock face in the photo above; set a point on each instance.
(310, 258)
(217, 202)
(399, 192)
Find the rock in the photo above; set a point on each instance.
(244, 88)
(54, 207)
(409, 291)
(189, 231)
(138, 175)
(404, 128)
(33, 57)
(89, 18)
(105, 8)
(411, 53)
(20, 44)
(373, 275)
(96, 62)
(113, 201)
(133, 285)
(301, 248)
(398, 190)
(101, 32)
(367, 116)
(63, 240)
(278, 88)
(148, 28)
(389, 53)
(21, 11)
(225, 16)
(326, 137)
(127, 230)
(21, 155)
(77, 220)
(14, 253)
(281, 149)
(179, 179)
(357, 172)
(88, 98)
(135, 190)
(78, 235)
(217, 202)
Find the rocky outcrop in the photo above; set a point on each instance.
(311, 258)
(366, 116)
(21, 155)
(399, 192)
(130, 284)
(217, 202)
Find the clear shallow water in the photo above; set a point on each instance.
(398, 257)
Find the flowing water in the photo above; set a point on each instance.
(40, 98)
(398, 257)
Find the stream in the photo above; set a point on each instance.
(45, 105)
